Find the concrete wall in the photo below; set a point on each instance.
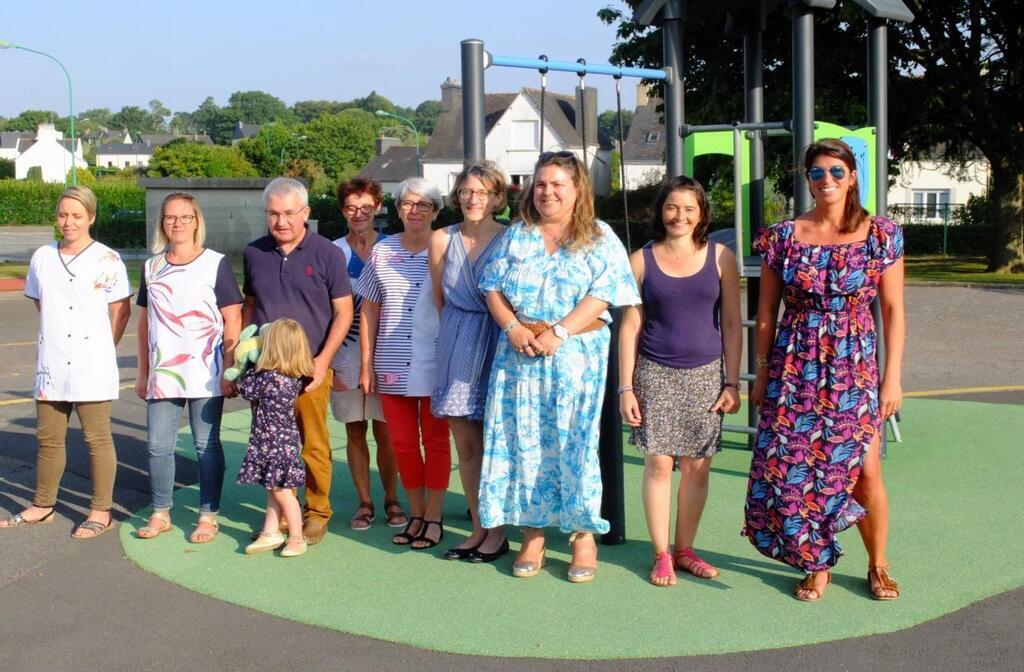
(232, 208)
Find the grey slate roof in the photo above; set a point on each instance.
(446, 142)
(158, 139)
(125, 148)
(10, 139)
(243, 131)
(640, 146)
(394, 165)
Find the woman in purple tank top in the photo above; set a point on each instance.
(671, 348)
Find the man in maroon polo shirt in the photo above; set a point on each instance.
(299, 274)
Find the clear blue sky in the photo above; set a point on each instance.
(128, 53)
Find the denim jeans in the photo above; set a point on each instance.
(162, 419)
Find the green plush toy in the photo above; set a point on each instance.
(247, 352)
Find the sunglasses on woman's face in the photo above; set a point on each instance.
(817, 173)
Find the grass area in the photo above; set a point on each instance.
(925, 269)
(968, 270)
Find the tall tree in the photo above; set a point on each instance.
(960, 60)
(136, 120)
(29, 120)
(608, 124)
(183, 158)
(308, 110)
(426, 115)
(340, 143)
(962, 88)
(258, 107)
(158, 114)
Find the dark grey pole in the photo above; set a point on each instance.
(878, 116)
(673, 19)
(803, 99)
(473, 101)
(753, 87)
(613, 498)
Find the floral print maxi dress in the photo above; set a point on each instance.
(540, 465)
(820, 412)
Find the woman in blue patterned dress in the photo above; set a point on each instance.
(467, 337)
(548, 287)
(815, 466)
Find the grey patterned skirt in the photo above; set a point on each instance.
(674, 406)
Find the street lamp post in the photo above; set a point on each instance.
(416, 133)
(295, 138)
(4, 44)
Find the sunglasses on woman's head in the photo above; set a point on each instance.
(547, 156)
(817, 173)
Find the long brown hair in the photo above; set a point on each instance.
(853, 212)
(583, 229)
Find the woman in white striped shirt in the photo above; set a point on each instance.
(398, 348)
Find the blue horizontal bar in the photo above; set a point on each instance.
(569, 66)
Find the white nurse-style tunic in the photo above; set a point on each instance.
(77, 359)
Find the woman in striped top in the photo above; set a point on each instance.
(397, 345)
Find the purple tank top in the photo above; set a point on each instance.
(681, 315)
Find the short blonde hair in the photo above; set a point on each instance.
(583, 229)
(285, 349)
(486, 172)
(160, 241)
(83, 195)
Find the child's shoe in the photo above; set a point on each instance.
(267, 541)
(292, 549)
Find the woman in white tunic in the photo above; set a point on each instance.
(187, 334)
(81, 290)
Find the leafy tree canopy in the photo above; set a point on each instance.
(183, 158)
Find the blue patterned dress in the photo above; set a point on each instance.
(540, 465)
(467, 335)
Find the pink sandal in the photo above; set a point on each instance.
(697, 566)
(663, 569)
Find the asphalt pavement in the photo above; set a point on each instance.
(80, 605)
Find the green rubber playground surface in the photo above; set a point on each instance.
(950, 482)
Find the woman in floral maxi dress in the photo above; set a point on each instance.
(815, 467)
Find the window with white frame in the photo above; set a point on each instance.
(932, 203)
(525, 134)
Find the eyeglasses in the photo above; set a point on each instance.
(817, 173)
(351, 210)
(547, 156)
(287, 214)
(468, 194)
(418, 206)
(184, 219)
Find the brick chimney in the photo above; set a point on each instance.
(451, 95)
(641, 95)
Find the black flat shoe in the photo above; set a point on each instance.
(460, 553)
(422, 541)
(478, 556)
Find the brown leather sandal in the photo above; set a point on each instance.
(808, 585)
(394, 513)
(883, 581)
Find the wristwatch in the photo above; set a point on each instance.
(560, 331)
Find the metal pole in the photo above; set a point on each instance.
(803, 98)
(753, 113)
(613, 507)
(473, 148)
(878, 116)
(574, 67)
(673, 18)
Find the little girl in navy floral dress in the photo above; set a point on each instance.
(272, 460)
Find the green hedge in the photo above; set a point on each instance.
(24, 203)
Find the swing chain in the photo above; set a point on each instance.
(622, 162)
(543, 88)
(582, 74)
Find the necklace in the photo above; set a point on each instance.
(555, 240)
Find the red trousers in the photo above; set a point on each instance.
(407, 417)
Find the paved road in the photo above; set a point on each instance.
(68, 605)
